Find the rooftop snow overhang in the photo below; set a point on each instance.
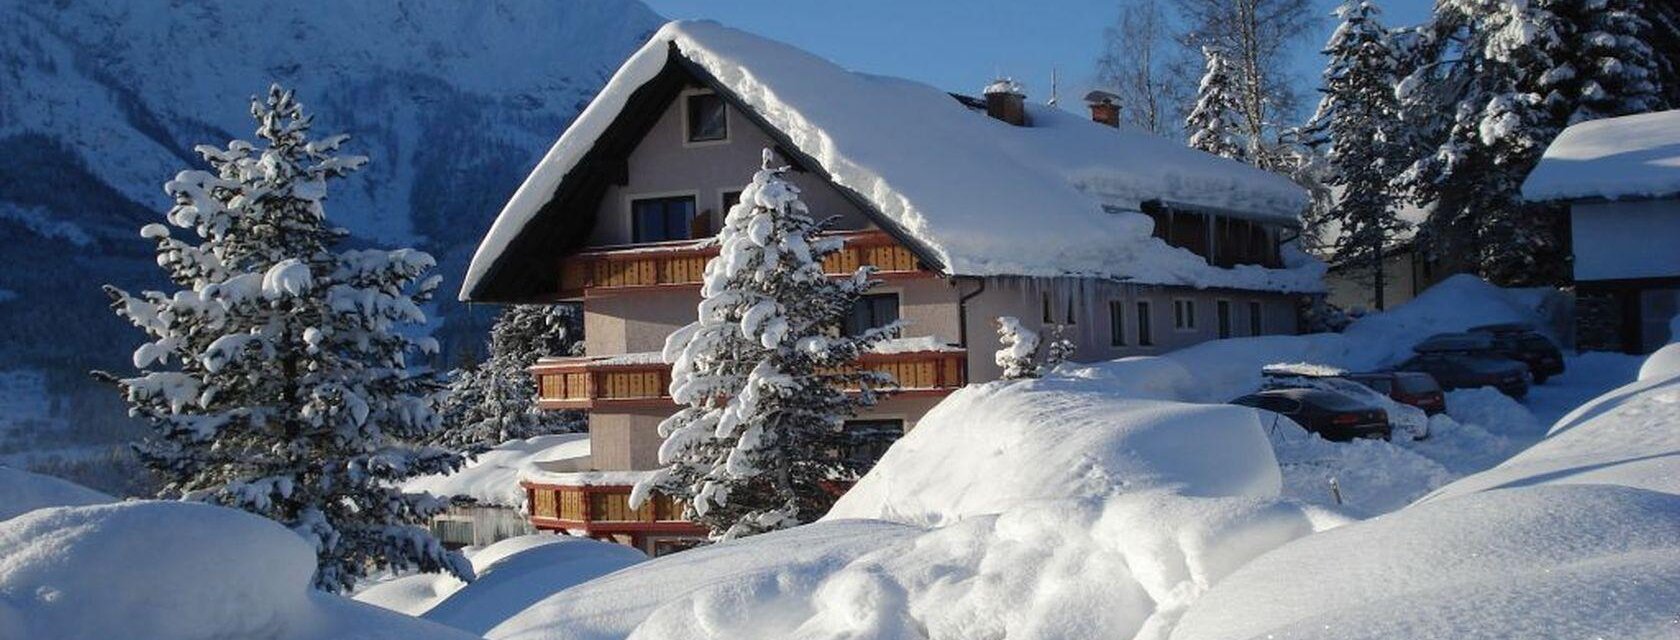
(1063, 176)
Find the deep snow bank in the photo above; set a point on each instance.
(991, 448)
(1537, 562)
(149, 569)
(22, 492)
(1057, 508)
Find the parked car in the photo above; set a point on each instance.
(1409, 421)
(1413, 388)
(1467, 361)
(1329, 414)
(1519, 341)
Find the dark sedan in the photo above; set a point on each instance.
(1331, 415)
(1520, 342)
(1466, 361)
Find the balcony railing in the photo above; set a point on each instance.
(603, 511)
(642, 380)
(683, 264)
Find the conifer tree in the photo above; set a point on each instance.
(1506, 77)
(1357, 121)
(495, 401)
(760, 375)
(1212, 121)
(277, 379)
(1019, 353)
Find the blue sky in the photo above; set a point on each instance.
(960, 45)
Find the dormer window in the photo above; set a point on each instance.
(708, 118)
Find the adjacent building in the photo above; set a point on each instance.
(970, 208)
(1620, 178)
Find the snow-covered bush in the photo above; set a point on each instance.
(761, 375)
(1020, 349)
(495, 401)
(277, 378)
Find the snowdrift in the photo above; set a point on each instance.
(512, 574)
(22, 492)
(149, 569)
(1055, 509)
(1538, 562)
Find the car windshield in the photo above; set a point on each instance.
(1417, 384)
(1535, 342)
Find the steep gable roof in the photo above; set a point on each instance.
(1630, 157)
(970, 194)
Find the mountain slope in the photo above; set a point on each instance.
(102, 102)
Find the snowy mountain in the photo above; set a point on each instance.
(101, 102)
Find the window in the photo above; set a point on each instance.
(730, 199)
(1222, 309)
(1184, 315)
(1116, 324)
(871, 311)
(1050, 317)
(707, 118)
(868, 440)
(1255, 320)
(1145, 339)
(661, 219)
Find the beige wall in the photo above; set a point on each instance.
(1091, 332)
(1351, 289)
(666, 164)
(625, 441)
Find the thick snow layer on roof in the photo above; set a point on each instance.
(985, 197)
(583, 478)
(22, 492)
(1634, 156)
(493, 477)
(185, 571)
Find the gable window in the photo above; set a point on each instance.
(1116, 324)
(661, 219)
(1222, 310)
(872, 311)
(708, 118)
(1254, 318)
(1145, 336)
(1184, 315)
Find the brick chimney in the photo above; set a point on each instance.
(1006, 102)
(1105, 107)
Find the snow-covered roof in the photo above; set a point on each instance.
(493, 477)
(1634, 156)
(977, 196)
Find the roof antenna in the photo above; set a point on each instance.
(1052, 101)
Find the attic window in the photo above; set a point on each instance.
(708, 119)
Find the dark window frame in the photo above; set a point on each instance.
(1145, 331)
(639, 231)
(849, 324)
(1222, 317)
(1256, 319)
(1116, 323)
(868, 452)
(692, 115)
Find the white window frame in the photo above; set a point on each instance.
(1190, 305)
(682, 125)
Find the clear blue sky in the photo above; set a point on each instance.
(960, 45)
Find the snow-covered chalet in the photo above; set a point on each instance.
(1621, 180)
(971, 208)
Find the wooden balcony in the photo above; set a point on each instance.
(640, 380)
(602, 510)
(683, 264)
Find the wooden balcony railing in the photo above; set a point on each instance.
(603, 511)
(640, 380)
(683, 264)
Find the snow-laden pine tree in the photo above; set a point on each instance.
(495, 401)
(761, 374)
(1019, 353)
(1212, 123)
(277, 378)
(1356, 122)
(1507, 77)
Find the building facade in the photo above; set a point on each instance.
(616, 229)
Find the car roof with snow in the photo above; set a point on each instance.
(969, 194)
(1626, 158)
(1455, 342)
